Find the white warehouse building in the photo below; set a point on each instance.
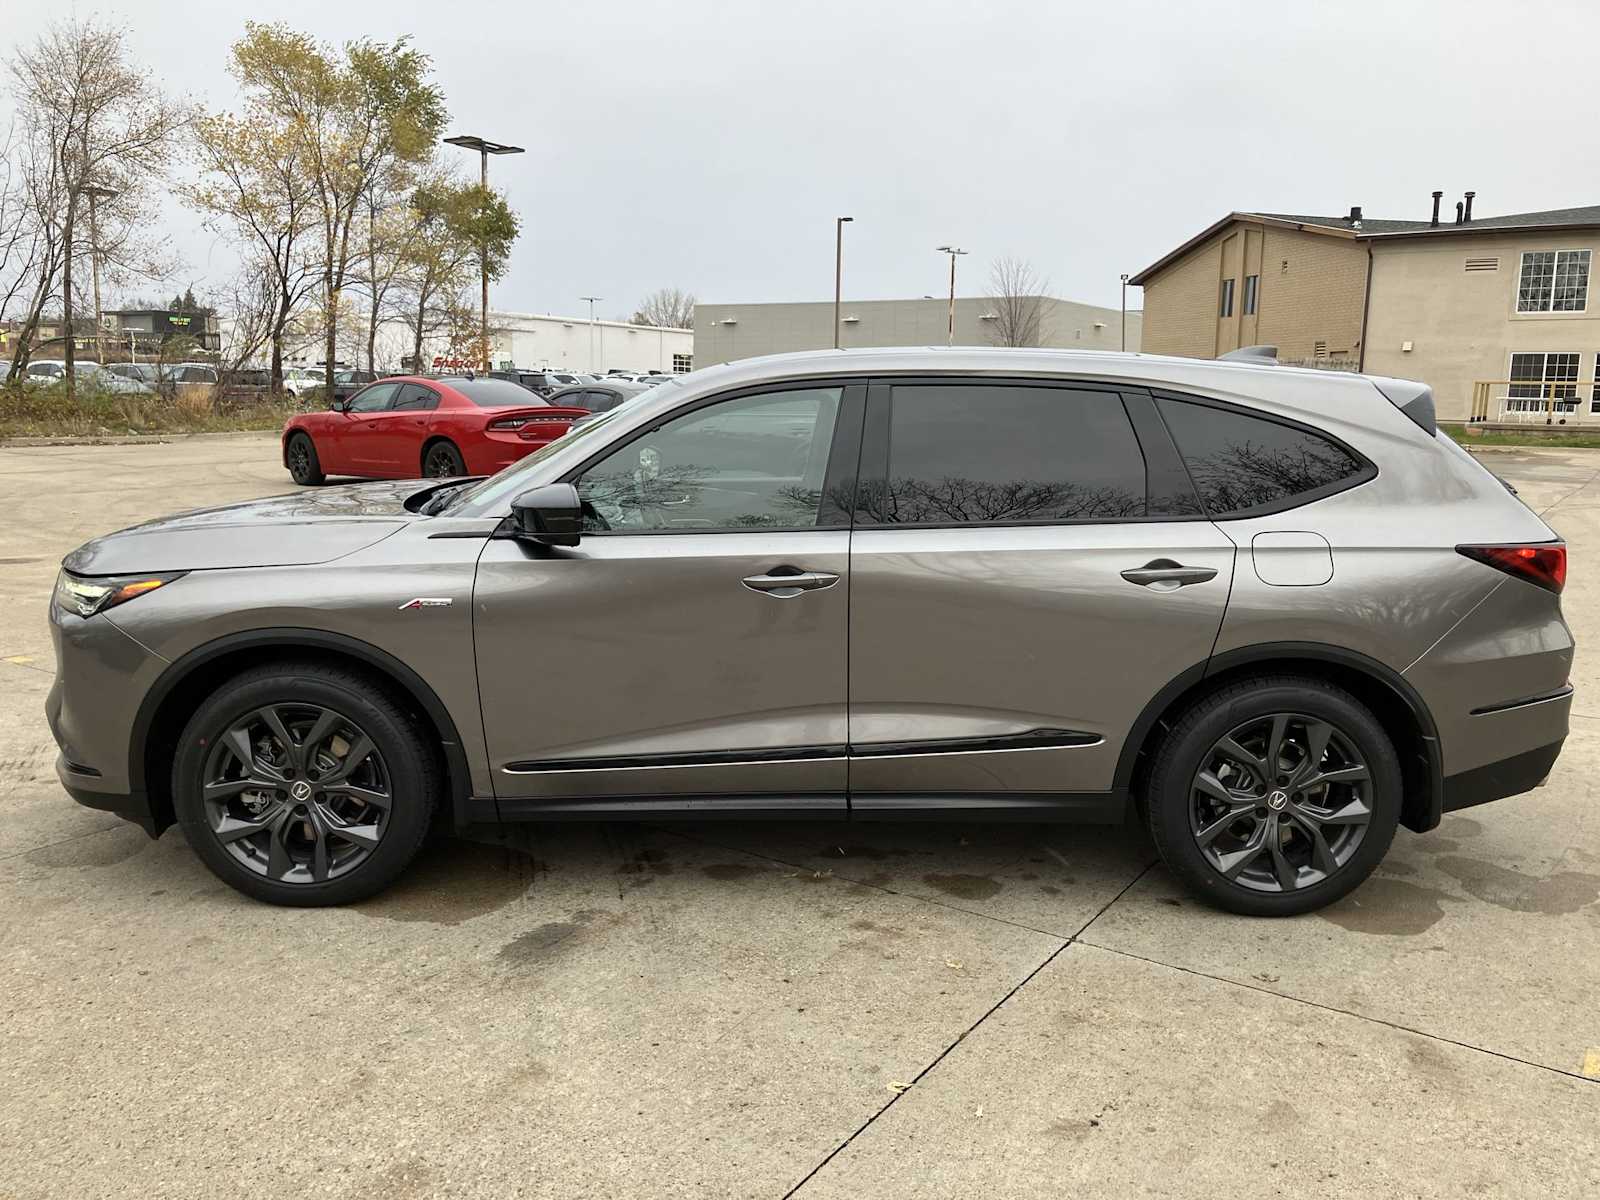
(535, 340)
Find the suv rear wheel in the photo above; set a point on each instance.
(1274, 796)
(304, 785)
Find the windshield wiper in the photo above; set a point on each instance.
(440, 500)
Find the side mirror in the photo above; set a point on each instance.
(335, 404)
(551, 515)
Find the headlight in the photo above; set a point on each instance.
(85, 595)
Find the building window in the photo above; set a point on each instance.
(1225, 308)
(1539, 378)
(1252, 289)
(1594, 390)
(1553, 281)
(682, 364)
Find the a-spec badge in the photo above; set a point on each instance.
(427, 602)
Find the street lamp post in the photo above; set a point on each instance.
(97, 193)
(484, 149)
(1124, 327)
(838, 270)
(591, 300)
(952, 251)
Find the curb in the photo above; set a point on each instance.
(130, 439)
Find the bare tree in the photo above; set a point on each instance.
(107, 126)
(669, 308)
(254, 189)
(1017, 296)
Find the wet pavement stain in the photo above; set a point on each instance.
(534, 944)
(653, 862)
(455, 882)
(1396, 867)
(1461, 827)
(1390, 907)
(1553, 895)
(95, 850)
(729, 872)
(540, 943)
(964, 887)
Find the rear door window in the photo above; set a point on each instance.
(1243, 464)
(987, 453)
(415, 398)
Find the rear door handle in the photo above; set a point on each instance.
(1165, 571)
(784, 586)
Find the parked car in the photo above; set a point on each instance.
(1274, 612)
(541, 383)
(297, 381)
(190, 372)
(89, 374)
(597, 397)
(347, 383)
(145, 373)
(415, 425)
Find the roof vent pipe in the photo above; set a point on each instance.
(1355, 214)
(1458, 212)
(1437, 196)
(1468, 215)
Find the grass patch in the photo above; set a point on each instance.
(1472, 435)
(47, 412)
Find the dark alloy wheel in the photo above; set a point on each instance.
(297, 792)
(1280, 802)
(301, 455)
(305, 784)
(443, 461)
(1274, 796)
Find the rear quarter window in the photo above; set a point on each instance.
(1243, 464)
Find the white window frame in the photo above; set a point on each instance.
(1558, 259)
(1252, 295)
(1562, 403)
(682, 364)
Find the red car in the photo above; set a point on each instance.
(406, 426)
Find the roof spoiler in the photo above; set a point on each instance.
(1412, 398)
(1251, 354)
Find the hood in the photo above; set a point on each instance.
(311, 526)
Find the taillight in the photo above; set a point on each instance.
(507, 424)
(1543, 564)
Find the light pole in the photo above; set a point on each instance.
(1124, 327)
(591, 300)
(952, 251)
(838, 270)
(484, 149)
(97, 193)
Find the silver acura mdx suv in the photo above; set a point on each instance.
(1272, 611)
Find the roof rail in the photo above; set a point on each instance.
(1251, 354)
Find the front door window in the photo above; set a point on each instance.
(752, 463)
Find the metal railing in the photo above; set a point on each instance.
(1534, 401)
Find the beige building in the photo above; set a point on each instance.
(1494, 313)
(723, 332)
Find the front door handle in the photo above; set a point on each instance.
(791, 582)
(1165, 571)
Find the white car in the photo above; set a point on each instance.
(91, 374)
(297, 381)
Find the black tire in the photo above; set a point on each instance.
(305, 468)
(1301, 862)
(400, 764)
(441, 460)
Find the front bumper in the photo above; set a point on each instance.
(102, 675)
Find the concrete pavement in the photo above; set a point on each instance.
(760, 1009)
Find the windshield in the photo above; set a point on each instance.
(498, 491)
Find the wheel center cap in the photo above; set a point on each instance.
(301, 791)
(1277, 801)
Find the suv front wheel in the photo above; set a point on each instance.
(1274, 796)
(304, 785)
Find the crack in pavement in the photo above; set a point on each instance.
(77, 837)
(1436, 1037)
(1022, 983)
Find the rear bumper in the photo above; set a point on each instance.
(1497, 780)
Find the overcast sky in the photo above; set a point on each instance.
(709, 146)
